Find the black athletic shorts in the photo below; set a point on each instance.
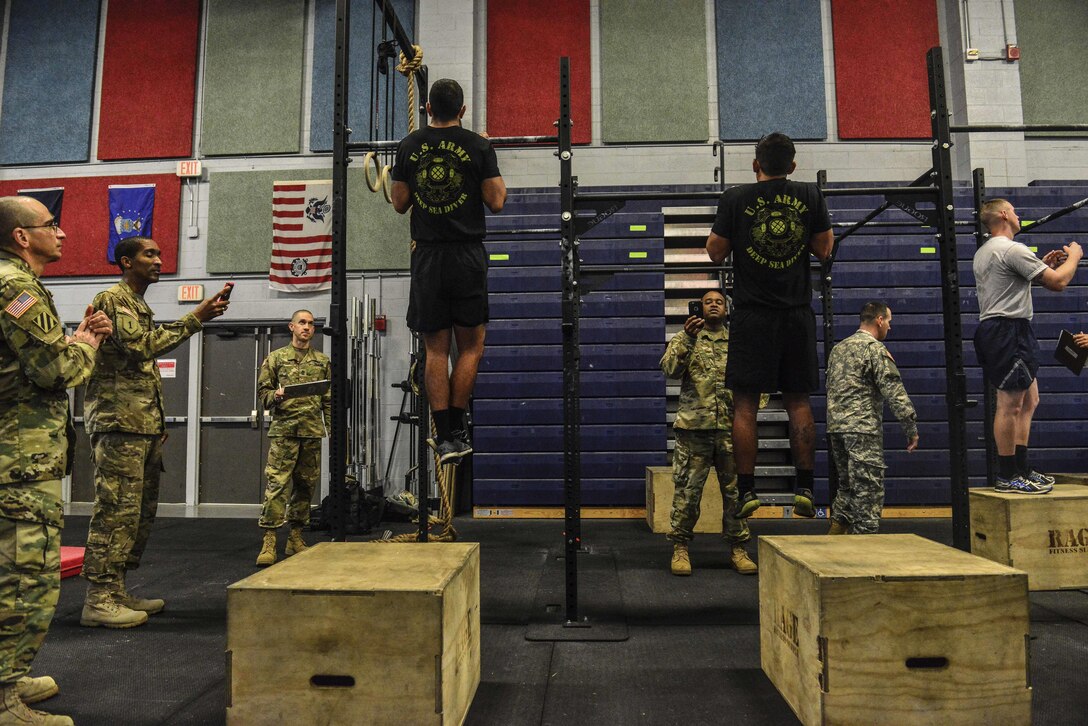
(1008, 352)
(772, 350)
(449, 286)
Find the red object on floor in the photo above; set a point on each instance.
(71, 561)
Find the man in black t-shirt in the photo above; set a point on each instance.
(446, 174)
(770, 228)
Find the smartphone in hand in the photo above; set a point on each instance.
(226, 296)
(695, 308)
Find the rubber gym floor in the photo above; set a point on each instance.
(692, 655)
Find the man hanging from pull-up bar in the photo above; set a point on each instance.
(446, 175)
(770, 228)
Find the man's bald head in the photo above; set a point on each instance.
(17, 212)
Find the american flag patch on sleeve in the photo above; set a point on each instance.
(20, 305)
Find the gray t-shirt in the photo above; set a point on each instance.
(1004, 270)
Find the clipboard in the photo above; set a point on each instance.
(1069, 354)
(313, 388)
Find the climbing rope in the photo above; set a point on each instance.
(440, 527)
(408, 69)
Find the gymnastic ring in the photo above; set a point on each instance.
(372, 183)
(386, 181)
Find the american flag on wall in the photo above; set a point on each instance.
(301, 236)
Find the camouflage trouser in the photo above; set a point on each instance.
(859, 459)
(29, 589)
(294, 465)
(126, 494)
(695, 453)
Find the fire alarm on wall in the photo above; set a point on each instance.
(1012, 52)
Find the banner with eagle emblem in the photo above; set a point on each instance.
(301, 236)
(132, 208)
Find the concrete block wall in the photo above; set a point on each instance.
(454, 38)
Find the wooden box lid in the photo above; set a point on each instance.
(1061, 491)
(350, 567)
(883, 556)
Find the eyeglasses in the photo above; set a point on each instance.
(54, 223)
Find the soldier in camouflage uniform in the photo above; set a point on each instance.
(703, 429)
(124, 417)
(298, 425)
(861, 375)
(37, 364)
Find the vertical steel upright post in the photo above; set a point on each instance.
(826, 300)
(989, 398)
(572, 468)
(336, 326)
(420, 407)
(421, 413)
(956, 380)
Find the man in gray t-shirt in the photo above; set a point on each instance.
(1006, 346)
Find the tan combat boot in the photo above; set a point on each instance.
(14, 711)
(837, 527)
(268, 549)
(743, 564)
(132, 602)
(681, 563)
(295, 543)
(100, 609)
(31, 690)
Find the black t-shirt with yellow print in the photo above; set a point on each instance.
(769, 225)
(444, 168)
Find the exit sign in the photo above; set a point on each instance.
(190, 293)
(189, 168)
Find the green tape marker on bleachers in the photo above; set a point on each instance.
(498, 258)
(1034, 249)
(928, 250)
(636, 255)
(638, 227)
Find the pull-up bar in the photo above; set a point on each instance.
(496, 141)
(612, 269)
(1029, 228)
(861, 191)
(1027, 128)
(634, 196)
(904, 223)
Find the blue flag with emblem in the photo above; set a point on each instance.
(131, 209)
(52, 198)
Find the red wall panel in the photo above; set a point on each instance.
(881, 83)
(149, 79)
(86, 220)
(525, 40)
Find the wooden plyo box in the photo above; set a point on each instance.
(1044, 535)
(659, 492)
(892, 629)
(357, 633)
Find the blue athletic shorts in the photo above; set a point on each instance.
(1008, 352)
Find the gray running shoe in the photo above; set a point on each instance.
(1020, 485)
(1040, 478)
(449, 452)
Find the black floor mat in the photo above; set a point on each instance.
(692, 656)
(595, 612)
